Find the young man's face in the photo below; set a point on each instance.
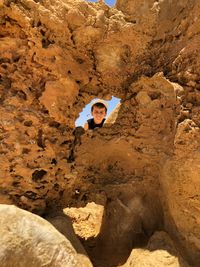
(98, 114)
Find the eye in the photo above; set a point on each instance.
(99, 112)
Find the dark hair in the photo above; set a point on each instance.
(99, 105)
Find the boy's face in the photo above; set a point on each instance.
(98, 114)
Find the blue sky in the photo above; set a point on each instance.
(108, 2)
(86, 114)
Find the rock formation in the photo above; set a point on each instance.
(58, 55)
(160, 251)
(28, 240)
(64, 225)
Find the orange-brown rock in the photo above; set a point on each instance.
(55, 57)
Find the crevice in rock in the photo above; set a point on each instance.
(126, 224)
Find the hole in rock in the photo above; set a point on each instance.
(108, 2)
(38, 175)
(86, 112)
(54, 161)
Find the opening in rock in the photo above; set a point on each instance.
(108, 2)
(110, 231)
(86, 113)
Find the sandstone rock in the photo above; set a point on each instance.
(127, 222)
(113, 115)
(181, 198)
(55, 57)
(49, 51)
(160, 252)
(28, 240)
(143, 98)
(64, 225)
(55, 93)
(86, 220)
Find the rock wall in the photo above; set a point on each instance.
(56, 56)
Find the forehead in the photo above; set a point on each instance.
(98, 108)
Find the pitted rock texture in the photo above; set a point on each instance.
(55, 57)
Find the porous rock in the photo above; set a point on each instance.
(55, 57)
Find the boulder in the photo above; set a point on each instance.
(29, 240)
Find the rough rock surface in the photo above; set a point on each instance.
(64, 225)
(55, 57)
(159, 252)
(127, 223)
(28, 240)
